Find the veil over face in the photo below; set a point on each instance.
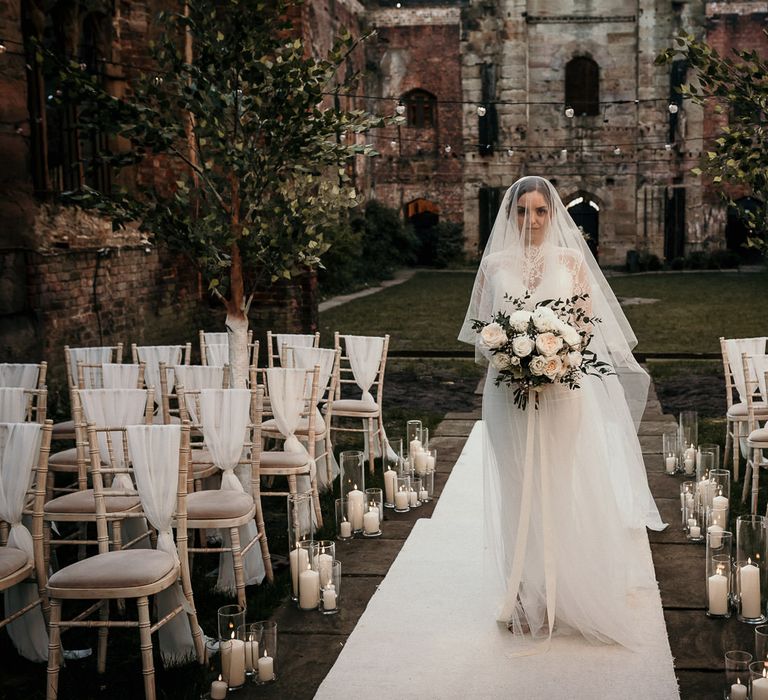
(536, 247)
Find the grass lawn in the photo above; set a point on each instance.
(693, 310)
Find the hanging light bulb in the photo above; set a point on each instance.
(398, 5)
(3, 47)
(481, 111)
(83, 66)
(617, 151)
(393, 143)
(400, 109)
(158, 80)
(510, 152)
(667, 146)
(673, 108)
(448, 148)
(563, 155)
(569, 112)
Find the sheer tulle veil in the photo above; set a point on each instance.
(580, 508)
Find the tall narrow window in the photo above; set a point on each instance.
(420, 108)
(488, 122)
(582, 85)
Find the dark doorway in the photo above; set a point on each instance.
(424, 216)
(737, 231)
(586, 216)
(674, 223)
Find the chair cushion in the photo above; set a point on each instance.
(65, 458)
(218, 504)
(157, 419)
(284, 459)
(63, 430)
(84, 502)
(11, 560)
(740, 409)
(122, 569)
(355, 406)
(270, 426)
(759, 435)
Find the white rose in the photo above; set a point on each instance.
(501, 361)
(571, 336)
(537, 365)
(519, 320)
(522, 346)
(514, 361)
(544, 318)
(552, 367)
(575, 359)
(549, 344)
(493, 335)
(559, 326)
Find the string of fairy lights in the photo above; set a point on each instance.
(561, 152)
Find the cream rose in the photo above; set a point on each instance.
(549, 344)
(514, 361)
(522, 346)
(538, 364)
(552, 367)
(575, 359)
(543, 318)
(519, 320)
(571, 336)
(493, 336)
(501, 361)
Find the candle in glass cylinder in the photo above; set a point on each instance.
(371, 521)
(233, 661)
(329, 597)
(420, 463)
(738, 691)
(750, 591)
(717, 588)
(423, 495)
(413, 449)
(218, 689)
(720, 503)
(355, 502)
(401, 499)
(251, 654)
(412, 498)
(760, 687)
(299, 561)
(309, 589)
(690, 453)
(715, 535)
(671, 463)
(266, 668)
(345, 529)
(695, 531)
(390, 484)
(430, 462)
(324, 567)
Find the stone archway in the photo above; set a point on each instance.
(585, 212)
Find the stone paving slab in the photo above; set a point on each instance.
(457, 428)
(477, 414)
(670, 514)
(664, 486)
(700, 684)
(680, 573)
(367, 558)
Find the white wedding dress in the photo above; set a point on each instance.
(566, 498)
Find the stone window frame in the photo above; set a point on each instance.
(420, 109)
(582, 85)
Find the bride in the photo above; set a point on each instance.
(565, 488)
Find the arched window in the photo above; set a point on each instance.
(582, 85)
(420, 108)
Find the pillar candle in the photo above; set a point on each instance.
(759, 688)
(738, 691)
(309, 589)
(695, 531)
(688, 465)
(423, 495)
(750, 593)
(430, 463)
(412, 498)
(401, 499)
(345, 529)
(390, 484)
(355, 501)
(233, 662)
(690, 453)
(420, 463)
(324, 568)
(299, 561)
(715, 535)
(218, 689)
(251, 654)
(671, 463)
(371, 522)
(717, 589)
(266, 668)
(329, 597)
(720, 503)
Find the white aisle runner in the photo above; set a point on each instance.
(429, 633)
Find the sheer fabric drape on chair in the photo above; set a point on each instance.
(224, 419)
(13, 405)
(152, 356)
(109, 375)
(24, 376)
(19, 452)
(195, 378)
(154, 453)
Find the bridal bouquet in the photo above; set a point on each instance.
(549, 345)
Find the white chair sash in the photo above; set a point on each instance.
(735, 348)
(760, 366)
(19, 375)
(217, 354)
(111, 375)
(195, 378)
(364, 353)
(224, 419)
(19, 450)
(114, 408)
(89, 356)
(216, 338)
(154, 452)
(308, 358)
(296, 340)
(13, 405)
(152, 356)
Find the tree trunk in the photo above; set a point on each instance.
(237, 330)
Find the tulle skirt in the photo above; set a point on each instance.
(585, 550)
